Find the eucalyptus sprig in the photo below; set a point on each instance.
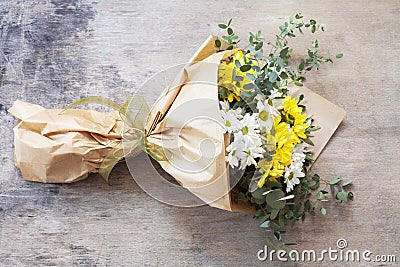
(277, 72)
(231, 38)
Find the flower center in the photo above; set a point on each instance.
(263, 115)
(245, 130)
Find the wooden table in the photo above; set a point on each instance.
(53, 52)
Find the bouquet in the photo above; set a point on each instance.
(236, 128)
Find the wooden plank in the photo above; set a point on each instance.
(53, 52)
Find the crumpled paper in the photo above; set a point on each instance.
(62, 147)
(56, 146)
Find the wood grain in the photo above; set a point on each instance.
(53, 52)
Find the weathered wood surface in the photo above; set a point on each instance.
(52, 52)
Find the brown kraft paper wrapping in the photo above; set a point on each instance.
(52, 146)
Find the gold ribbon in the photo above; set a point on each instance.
(134, 113)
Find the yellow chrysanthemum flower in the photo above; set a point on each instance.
(290, 105)
(283, 153)
(226, 79)
(282, 132)
(294, 114)
(287, 134)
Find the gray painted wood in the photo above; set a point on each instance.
(53, 52)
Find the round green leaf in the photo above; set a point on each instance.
(258, 193)
(259, 46)
(341, 196)
(323, 211)
(245, 68)
(273, 201)
(265, 224)
(298, 83)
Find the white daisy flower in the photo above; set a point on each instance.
(247, 143)
(232, 122)
(292, 175)
(231, 117)
(236, 154)
(232, 157)
(250, 155)
(298, 153)
(295, 170)
(266, 114)
(224, 105)
(249, 131)
(250, 121)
